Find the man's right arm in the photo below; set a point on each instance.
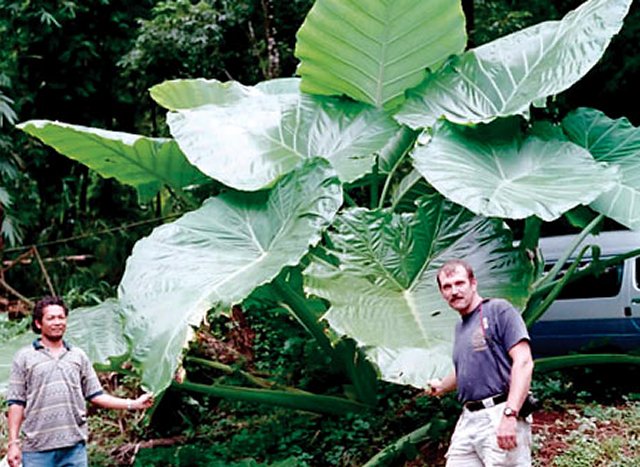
(438, 387)
(14, 452)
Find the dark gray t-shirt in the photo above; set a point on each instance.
(481, 372)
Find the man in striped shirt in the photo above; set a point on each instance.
(48, 389)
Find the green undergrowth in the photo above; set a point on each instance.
(239, 431)
(201, 430)
(271, 345)
(604, 436)
(598, 416)
(606, 384)
(10, 328)
(221, 432)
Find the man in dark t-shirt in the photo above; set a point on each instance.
(492, 374)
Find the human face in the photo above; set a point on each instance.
(53, 324)
(458, 290)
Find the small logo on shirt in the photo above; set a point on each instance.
(478, 342)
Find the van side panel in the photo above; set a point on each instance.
(560, 337)
(592, 314)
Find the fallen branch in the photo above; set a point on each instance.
(4, 284)
(9, 263)
(126, 453)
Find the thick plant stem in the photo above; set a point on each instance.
(530, 316)
(551, 275)
(405, 143)
(374, 185)
(303, 313)
(292, 400)
(571, 361)
(349, 200)
(531, 233)
(388, 454)
(347, 355)
(548, 286)
(359, 370)
(256, 380)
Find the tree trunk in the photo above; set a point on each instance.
(467, 8)
(273, 56)
(1, 233)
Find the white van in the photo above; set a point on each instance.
(593, 313)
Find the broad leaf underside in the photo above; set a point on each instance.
(496, 171)
(215, 257)
(261, 133)
(383, 293)
(98, 330)
(506, 76)
(616, 142)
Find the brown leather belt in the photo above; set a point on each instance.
(485, 403)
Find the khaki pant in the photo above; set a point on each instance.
(474, 442)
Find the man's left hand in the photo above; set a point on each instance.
(507, 433)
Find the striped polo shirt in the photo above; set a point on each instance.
(53, 392)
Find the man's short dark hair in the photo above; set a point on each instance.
(449, 267)
(41, 305)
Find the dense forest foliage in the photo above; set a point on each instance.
(91, 63)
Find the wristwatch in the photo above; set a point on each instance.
(509, 412)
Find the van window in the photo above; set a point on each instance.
(607, 284)
(638, 272)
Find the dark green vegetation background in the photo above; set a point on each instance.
(91, 63)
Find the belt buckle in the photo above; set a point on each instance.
(488, 402)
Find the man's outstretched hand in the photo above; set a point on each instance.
(143, 402)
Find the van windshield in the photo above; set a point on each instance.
(606, 284)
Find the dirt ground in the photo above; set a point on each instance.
(551, 433)
(551, 436)
(552, 429)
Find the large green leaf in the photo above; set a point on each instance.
(248, 137)
(7, 351)
(495, 171)
(144, 163)
(383, 292)
(616, 142)
(411, 187)
(373, 50)
(507, 75)
(392, 155)
(217, 255)
(98, 330)
(182, 94)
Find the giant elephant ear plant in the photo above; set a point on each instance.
(384, 88)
